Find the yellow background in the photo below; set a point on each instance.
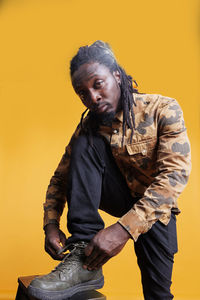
(157, 42)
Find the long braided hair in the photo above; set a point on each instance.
(101, 52)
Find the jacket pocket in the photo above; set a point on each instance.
(143, 154)
(143, 148)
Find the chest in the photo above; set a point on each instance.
(139, 153)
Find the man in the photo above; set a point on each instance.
(130, 156)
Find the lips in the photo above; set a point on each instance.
(101, 108)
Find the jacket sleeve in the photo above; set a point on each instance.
(56, 191)
(173, 167)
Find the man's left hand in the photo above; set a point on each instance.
(106, 243)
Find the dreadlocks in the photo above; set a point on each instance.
(101, 52)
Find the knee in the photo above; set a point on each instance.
(81, 144)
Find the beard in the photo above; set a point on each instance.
(104, 119)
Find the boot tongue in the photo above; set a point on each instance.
(77, 248)
(74, 248)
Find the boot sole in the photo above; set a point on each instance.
(63, 294)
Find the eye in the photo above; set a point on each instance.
(98, 83)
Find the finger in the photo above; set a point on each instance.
(97, 261)
(55, 244)
(58, 254)
(98, 266)
(54, 247)
(52, 252)
(92, 256)
(89, 249)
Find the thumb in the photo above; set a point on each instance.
(56, 244)
(63, 239)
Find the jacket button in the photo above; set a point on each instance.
(144, 152)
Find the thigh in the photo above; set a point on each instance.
(155, 255)
(116, 198)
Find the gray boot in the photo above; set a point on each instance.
(67, 278)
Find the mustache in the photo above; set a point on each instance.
(96, 106)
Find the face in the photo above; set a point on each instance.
(97, 87)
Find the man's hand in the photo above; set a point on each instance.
(106, 243)
(54, 237)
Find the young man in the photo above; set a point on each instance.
(130, 156)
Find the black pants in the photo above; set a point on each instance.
(96, 182)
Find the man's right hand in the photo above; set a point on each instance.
(54, 237)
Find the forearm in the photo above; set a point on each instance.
(172, 171)
(55, 196)
(55, 202)
(56, 192)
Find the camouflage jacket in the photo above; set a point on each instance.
(156, 164)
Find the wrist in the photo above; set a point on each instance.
(124, 231)
(51, 226)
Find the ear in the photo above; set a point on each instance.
(117, 77)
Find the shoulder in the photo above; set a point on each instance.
(154, 103)
(148, 99)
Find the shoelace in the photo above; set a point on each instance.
(72, 247)
(62, 250)
(70, 260)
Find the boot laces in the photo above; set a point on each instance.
(75, 255)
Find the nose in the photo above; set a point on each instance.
(94, 96)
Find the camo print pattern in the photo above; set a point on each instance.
(156, 164)
(56, 191)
